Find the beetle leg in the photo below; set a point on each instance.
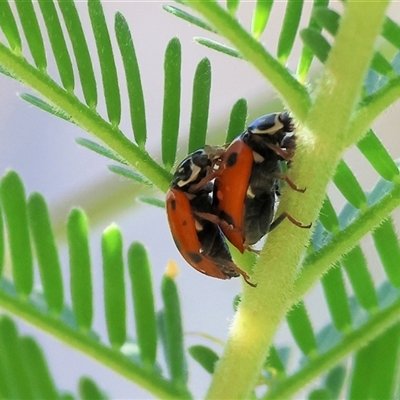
(293, 185)
(209, 177)
(286, 154)
(216, 220)
(251, 249)
(285, 178)
(284, 215)
(232, 265)
(199, 185)
(297, 223)
(244, 274)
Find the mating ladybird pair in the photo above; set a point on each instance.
(239, 204)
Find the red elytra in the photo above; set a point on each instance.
(247, 186)
(193, 224)
(183, 228)
(231, 188)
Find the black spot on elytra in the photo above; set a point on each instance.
(184, 223)
(232, 159)
(195, 257)
(173, 205)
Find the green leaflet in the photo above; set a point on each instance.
(114, 285)
(89, 390)
(143, 300)
(30, 26)
(80, 266)
(237, 120)
(200, 106)
(260, 17)
(81, 51)
(46, 251)
(2, 249)
(171, 322)
(107, 63)
(132, 74)
(206, 357)
(172, 102)
(58, 44)
(9, 27)
(290, 25)
(13, 202)
(302, 330)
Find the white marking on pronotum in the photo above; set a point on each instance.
(277, 125)
(195, 172)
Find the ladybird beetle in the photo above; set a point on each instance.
(194, 225)
(246, 189)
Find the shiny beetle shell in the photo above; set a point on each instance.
(246, 190)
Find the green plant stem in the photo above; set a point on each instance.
(350, 343)
(319, 263)
(84, 117)
(293, 93)
(371, 108)
(114, 360)
(320, 148)
(263, 308)
(340, 87)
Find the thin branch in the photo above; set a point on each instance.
(84, 117)
(293, 93)
(350, 343)
(263, 308)
(319, 263)
(371, 108)
(110, 358)
(340, 86)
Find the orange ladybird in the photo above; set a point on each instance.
(192, 219)
(246, 189)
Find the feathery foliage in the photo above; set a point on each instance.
(355, 354)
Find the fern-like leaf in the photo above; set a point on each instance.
(24, 371)
(354, 321)
(74, 325)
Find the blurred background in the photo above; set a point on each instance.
(41, 148)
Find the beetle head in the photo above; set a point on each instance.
(271, 123)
